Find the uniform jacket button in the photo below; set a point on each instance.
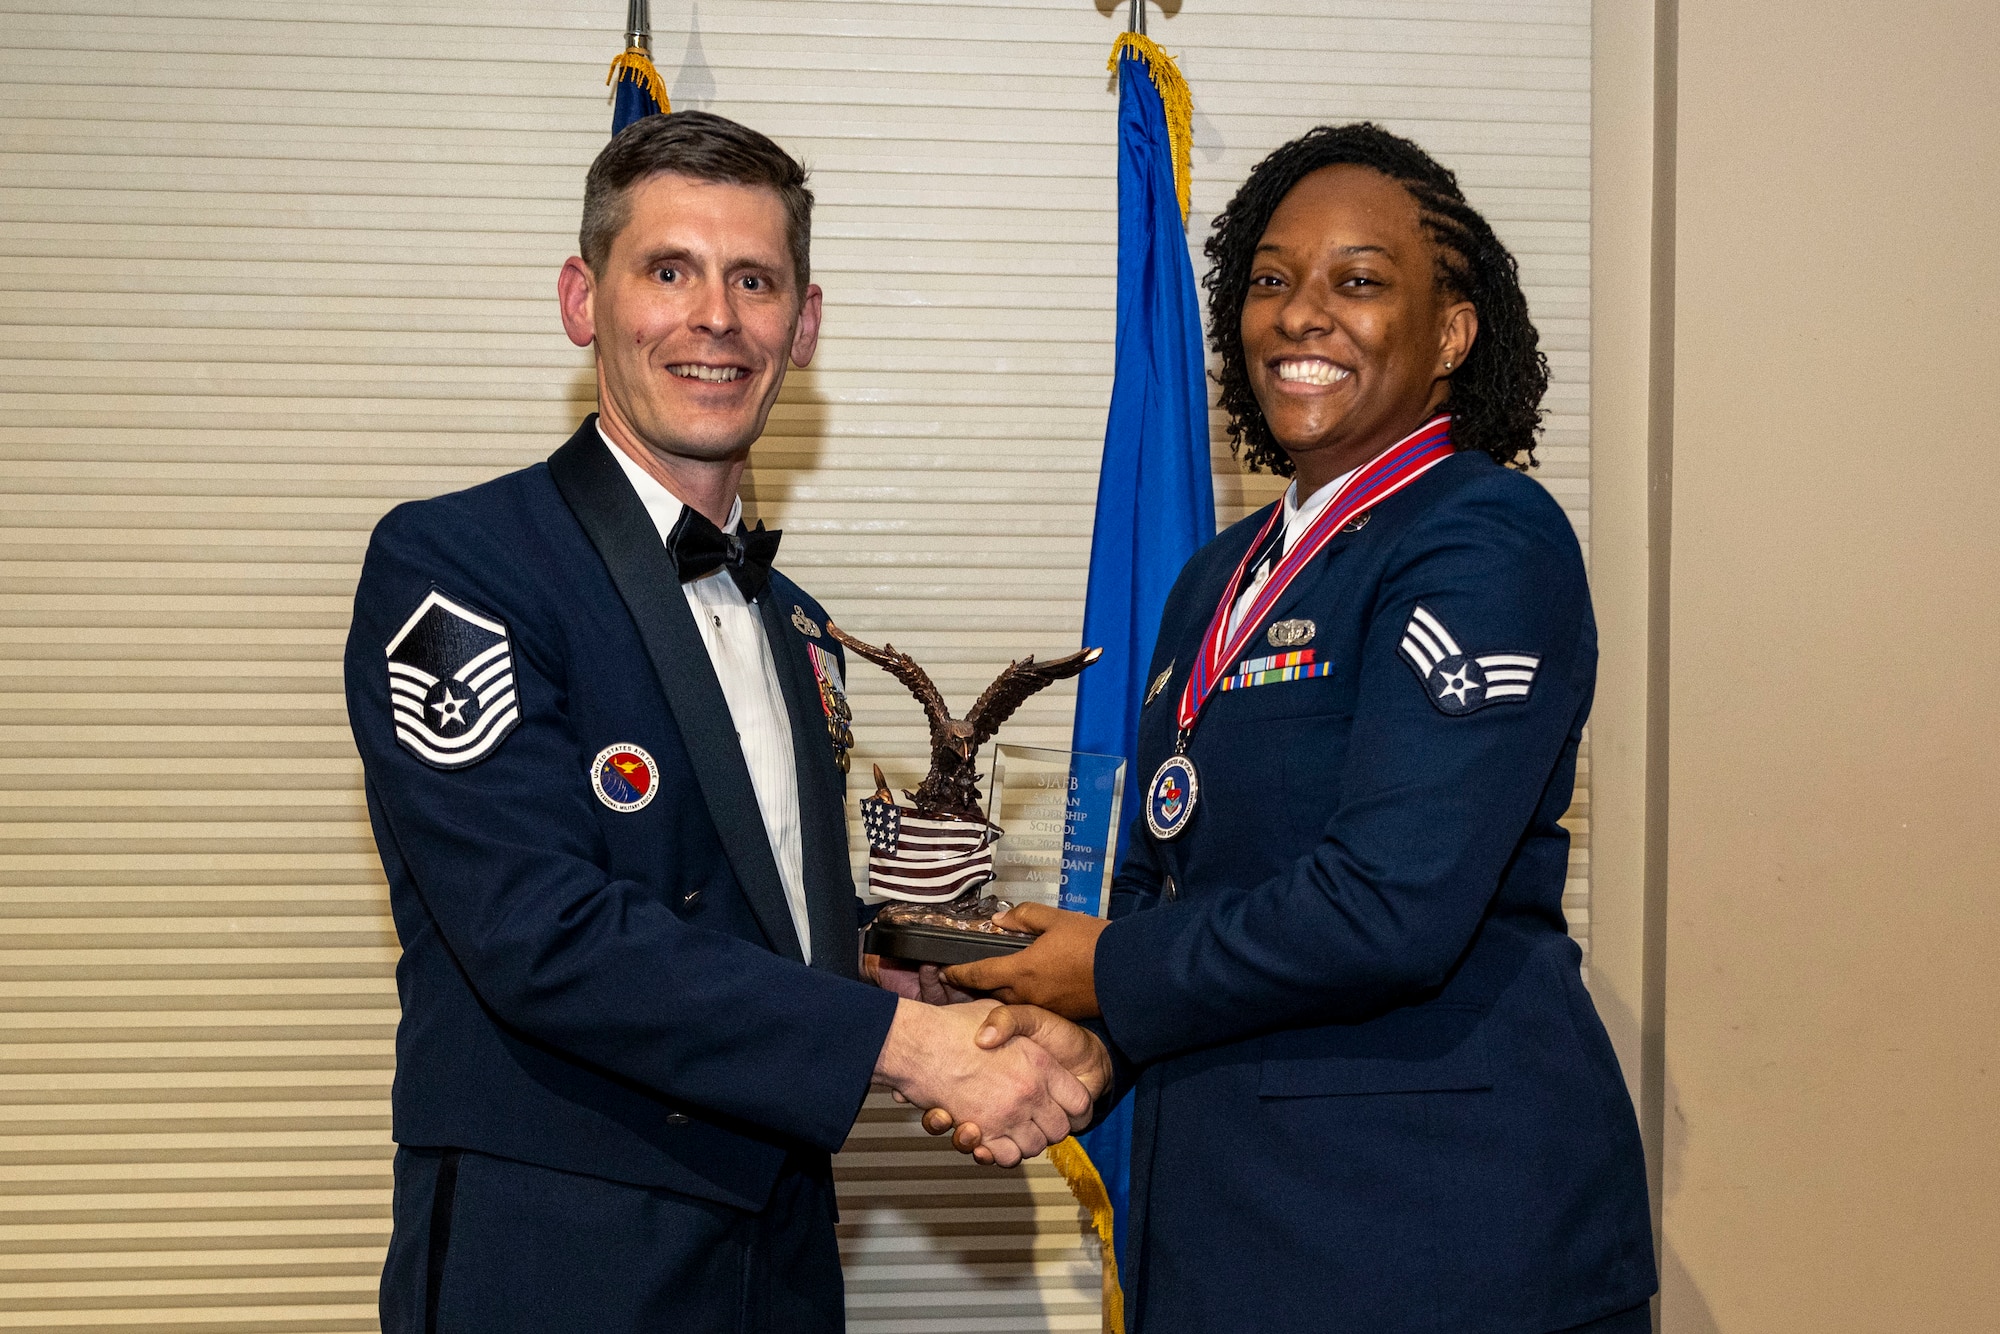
(677, 1118)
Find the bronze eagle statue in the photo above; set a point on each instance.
(951, 787)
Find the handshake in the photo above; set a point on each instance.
(1007, 1080)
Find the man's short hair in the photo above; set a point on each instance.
(706, 147)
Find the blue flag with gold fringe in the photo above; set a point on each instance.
(637, 90)
(1155, 505)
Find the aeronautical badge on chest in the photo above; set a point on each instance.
(451, 683)
(1457, 682)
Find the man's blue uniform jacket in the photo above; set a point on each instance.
(616, 993)
(1372, 1092)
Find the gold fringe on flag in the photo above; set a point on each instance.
(1179, 102)
(633, 63)
(1069, 1159)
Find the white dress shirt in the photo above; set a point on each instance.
(1298, 518)
(741, 654)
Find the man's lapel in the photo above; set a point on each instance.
(822, 795)
(617, 524)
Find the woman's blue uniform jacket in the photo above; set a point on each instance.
(1372, 1092)
(610, 992)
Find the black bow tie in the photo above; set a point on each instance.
(700, 548)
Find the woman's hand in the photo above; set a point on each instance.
(1058, 972)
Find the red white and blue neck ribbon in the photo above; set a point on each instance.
(1389, 472)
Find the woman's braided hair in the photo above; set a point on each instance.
(1496, 392)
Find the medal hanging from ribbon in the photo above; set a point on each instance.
(1170, 801)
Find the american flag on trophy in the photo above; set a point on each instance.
(942, 845)
(922, 859)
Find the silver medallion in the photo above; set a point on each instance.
(1171, 796)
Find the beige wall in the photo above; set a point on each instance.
(1621, 248)
(1831, 1001)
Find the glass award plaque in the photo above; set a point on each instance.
(1059, 809)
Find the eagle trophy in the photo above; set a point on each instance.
(951, 788)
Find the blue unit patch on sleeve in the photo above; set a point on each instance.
(1459, 683)
(624, 777)
(451, 683)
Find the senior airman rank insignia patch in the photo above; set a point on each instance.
(1459, 683)
(451, 683)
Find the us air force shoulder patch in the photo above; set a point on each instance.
(1457, 683)
(624, 777)
(451, 683)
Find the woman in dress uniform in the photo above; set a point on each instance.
(1371, 1092)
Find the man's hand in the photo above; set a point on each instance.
(1058, 972)
(1077, 1050)
(917, 982)
(1021, 1097)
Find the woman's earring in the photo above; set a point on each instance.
(1447, 365)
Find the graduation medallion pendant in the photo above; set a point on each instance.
(1171, 797)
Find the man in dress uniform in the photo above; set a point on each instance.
(604, 745)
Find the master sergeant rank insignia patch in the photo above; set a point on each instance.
(1457, 683)
(451, 684)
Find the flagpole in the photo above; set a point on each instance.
(639, 24)
(1135, 21)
